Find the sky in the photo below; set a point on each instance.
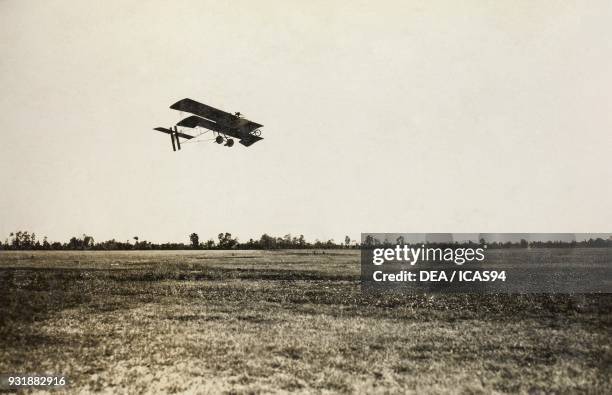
(387, 116)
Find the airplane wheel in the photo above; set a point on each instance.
(256, 133)
(219, 140)
(229, 143)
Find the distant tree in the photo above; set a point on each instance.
(88, 241)
(195, 240)
(22, 240)
(250, 245)
(369, 240)
(267, 242)
(226, 241)
(301, 241)
(347, 241)
(74, 243)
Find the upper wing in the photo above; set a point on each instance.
(183, 135)
(205, 111)
(221, 117)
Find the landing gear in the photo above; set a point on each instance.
(221, 139)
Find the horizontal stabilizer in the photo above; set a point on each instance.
(164, 130)
(183, 135)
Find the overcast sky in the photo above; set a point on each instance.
(443, 116)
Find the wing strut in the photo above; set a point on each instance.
(176, 136)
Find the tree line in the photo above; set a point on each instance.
(24, 240)
(372, 242)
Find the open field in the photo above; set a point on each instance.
(255, 321)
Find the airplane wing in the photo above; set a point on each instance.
(193, 121)
(183, 135)
(250, 140)
(245, 126)
(203, 110)
(245, 139)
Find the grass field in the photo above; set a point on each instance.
(254, 321)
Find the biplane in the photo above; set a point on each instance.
(224, 125)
